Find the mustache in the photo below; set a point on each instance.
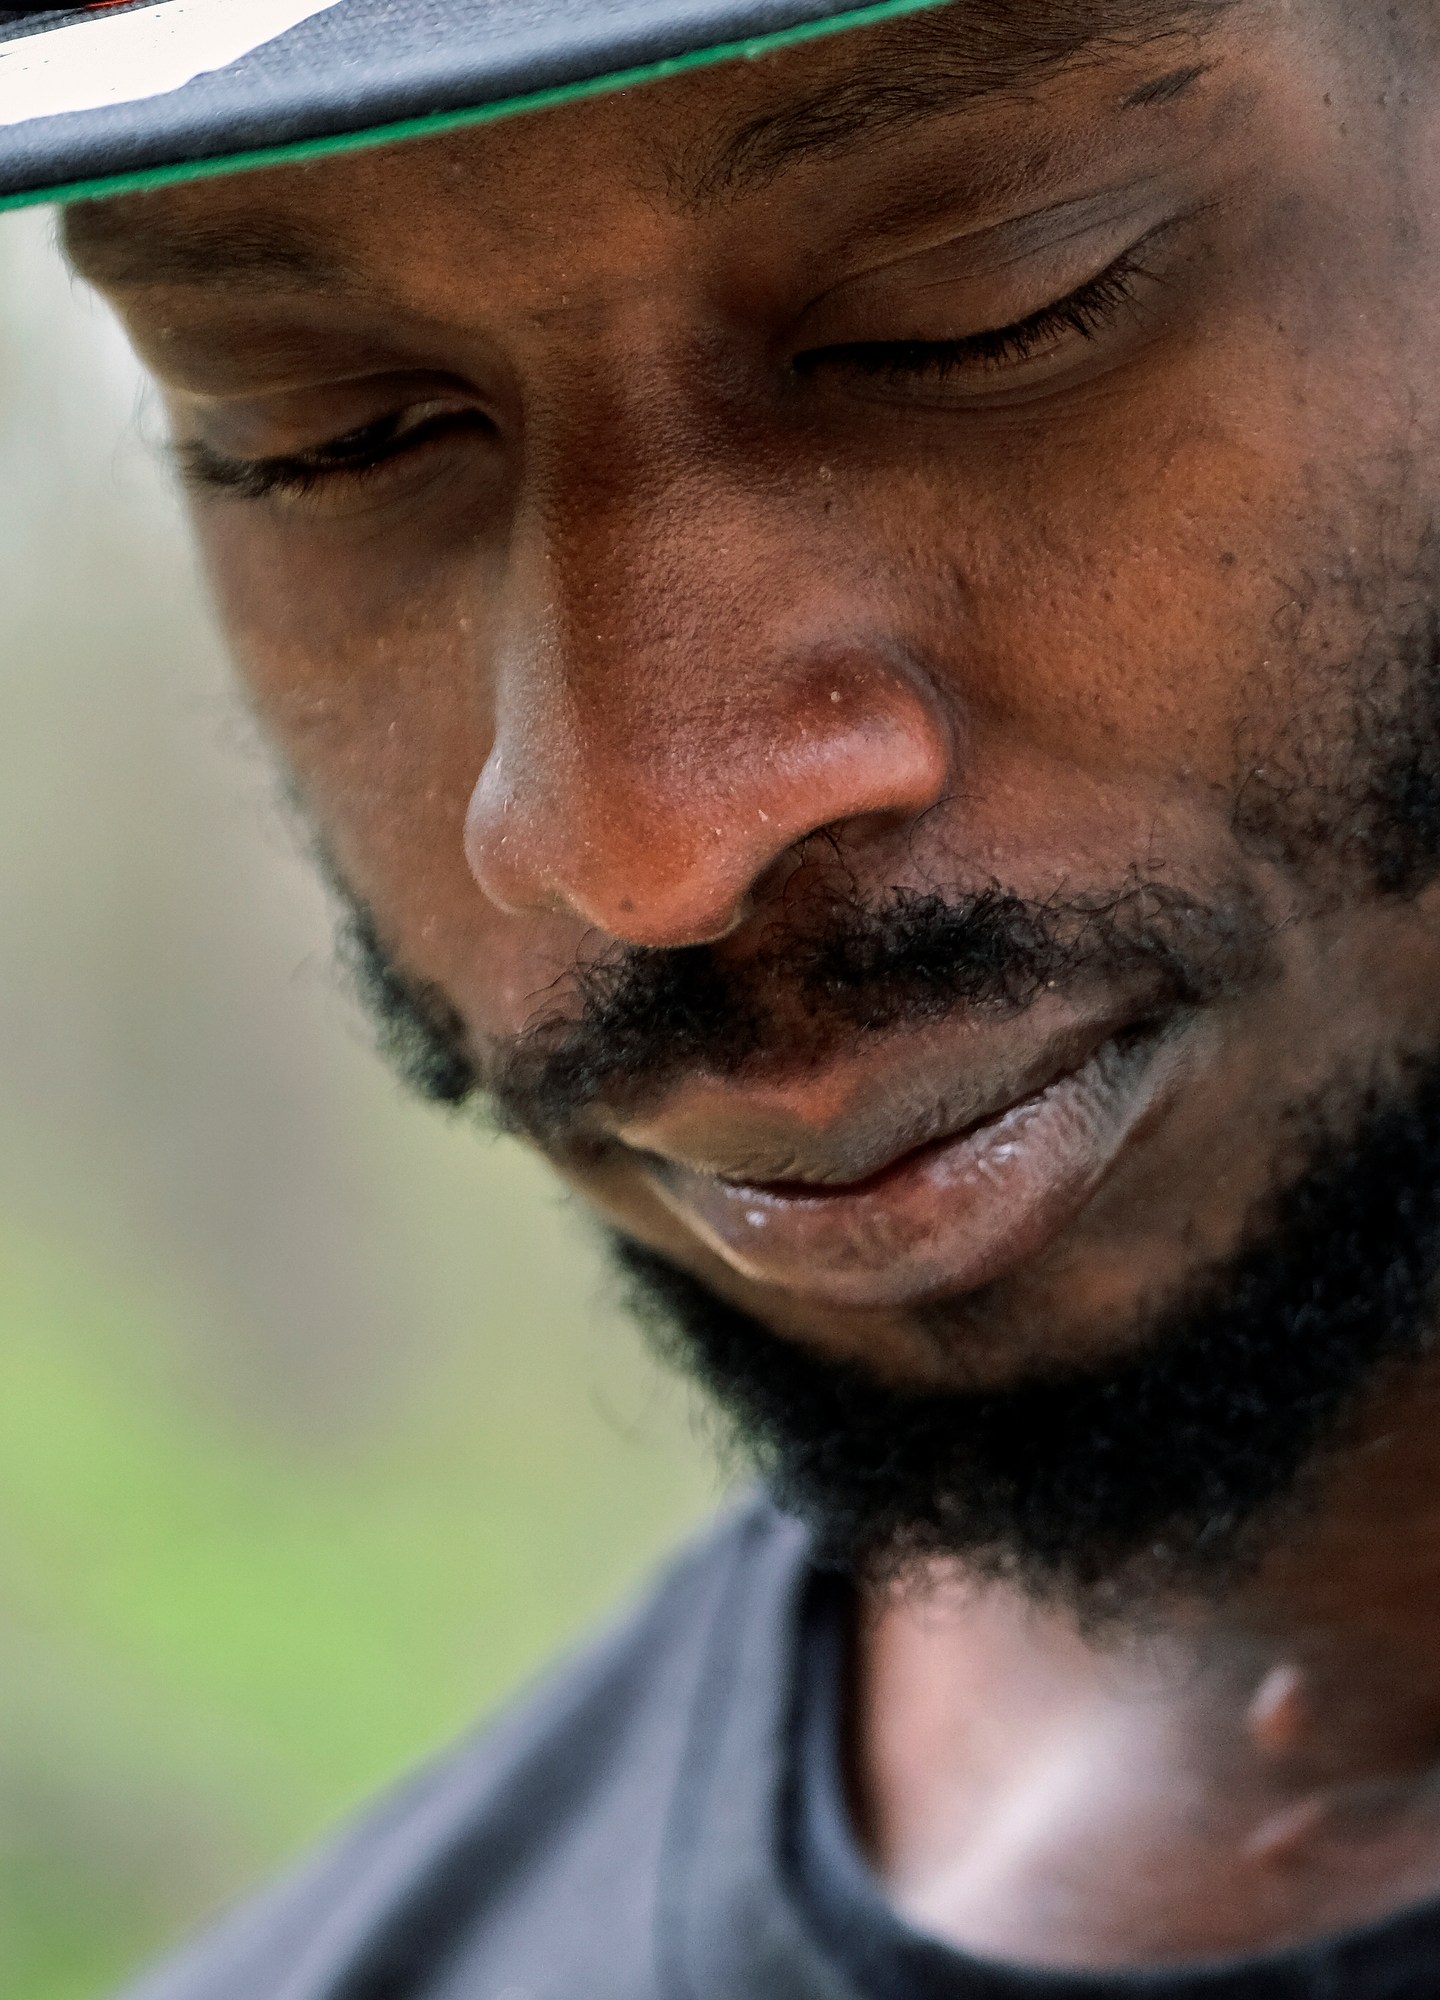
(828, 968)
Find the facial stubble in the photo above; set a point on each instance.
(1173, 1467)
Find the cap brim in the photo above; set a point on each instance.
(121, 97)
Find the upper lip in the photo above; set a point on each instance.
(847, 1119)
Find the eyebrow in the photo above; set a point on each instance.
(925, 68)
(264, 253)
(933, 65)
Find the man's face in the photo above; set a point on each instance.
(897, 580)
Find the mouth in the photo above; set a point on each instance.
(919, 1188)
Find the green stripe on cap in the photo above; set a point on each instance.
(144, 179)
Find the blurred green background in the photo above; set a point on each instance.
(317, 1432)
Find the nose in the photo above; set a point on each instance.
(683, 691)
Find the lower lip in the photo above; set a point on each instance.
(946, 1219)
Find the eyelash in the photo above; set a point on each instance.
(367, 451)
(1089, 311)
(357, 455)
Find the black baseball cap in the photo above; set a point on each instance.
(127, 94)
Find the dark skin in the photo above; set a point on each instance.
(643, 585)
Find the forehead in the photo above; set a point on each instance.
(696, 142)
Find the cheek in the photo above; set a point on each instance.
(367, 677)
(1143, 596)
(1096, 638)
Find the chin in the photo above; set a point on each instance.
(1077, 1308)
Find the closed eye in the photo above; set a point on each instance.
(358, 455)
(1083, 315)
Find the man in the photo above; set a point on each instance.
(857, 620)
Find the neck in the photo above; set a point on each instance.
(1235, 1777)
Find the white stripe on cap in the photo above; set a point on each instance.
(122, 58)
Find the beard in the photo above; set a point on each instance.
(1175, 1466)
(1169, 1471)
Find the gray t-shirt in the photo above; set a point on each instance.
(663, 1820)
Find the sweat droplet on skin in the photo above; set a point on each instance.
(1277, 1838)
(1279, 1711)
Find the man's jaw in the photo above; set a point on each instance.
(1173, 1465)
(1169, 1455)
